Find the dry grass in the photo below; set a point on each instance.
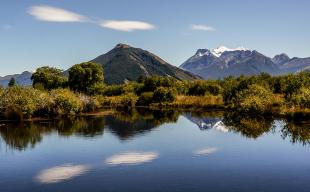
(198, 101)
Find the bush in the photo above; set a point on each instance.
(22, 102)
(162, 94)
(133, 87)
(151, 83)
(49, 78)
(201, 88)
(90, 104)
(127, 101)
(254, 99)
(198, 101)
(301, 98)
(66, 102)
(96, 89)
(85, 75)
(145, 99)
(113, 90)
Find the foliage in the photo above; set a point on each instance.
(126, 101)
(163, 94)
(66, 102)
(89, 103)
(201, 88)
(145, 99)
(85, 75)
(250, 95)
(21, 102)
(255, 98)
(151, 83)
(12, 82)
(301, 98)
(113, 90)
(48, 78)
(198, 101)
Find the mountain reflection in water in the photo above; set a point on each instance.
(127, 125)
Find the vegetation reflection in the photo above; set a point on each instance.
(127, 125)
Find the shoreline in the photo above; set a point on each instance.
(220, 108)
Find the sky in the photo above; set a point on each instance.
(35, 33)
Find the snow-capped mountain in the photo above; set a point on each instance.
(222, 62)
(208, 123)
(221, 49)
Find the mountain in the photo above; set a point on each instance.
(125, 63)
(291, 65)
(280, 59)
(208, 123)
(23, 79)
(222, 62)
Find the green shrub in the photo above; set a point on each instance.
(85, 75)
(203, 87)
(97, 89)
(66, 102)
(22, 102)
(151, 83)
(124, 101)
(163, 94)
(129, 100)
(254, 99)
(113, 90)
(301, 98)
(145, 99)
(89, 103)
(49, 78)
(133, 87)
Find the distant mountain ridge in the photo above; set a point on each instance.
(23, 79)
(125, 63)
(222, 62)
(291, 65)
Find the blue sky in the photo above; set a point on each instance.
(60, 33)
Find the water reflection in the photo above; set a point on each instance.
(248, 126)
(132, 158)
(61, 173)
(206, 151)
(297, 132)
(20, 136)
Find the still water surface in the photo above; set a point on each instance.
(156, 151)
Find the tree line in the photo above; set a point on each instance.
(82, 89)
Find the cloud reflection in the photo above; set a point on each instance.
(61, 173)
(206, 151)
(131, 158)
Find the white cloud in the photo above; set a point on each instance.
(202, 28)
(61, 173)
(206, 151)
(126, 26)
(54, 14)
(131, 158)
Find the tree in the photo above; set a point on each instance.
(12, 82)
(49, 78)
(164, 94)
(84, 76)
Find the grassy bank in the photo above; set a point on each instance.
(52, 95)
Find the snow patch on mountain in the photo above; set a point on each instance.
(221, 49)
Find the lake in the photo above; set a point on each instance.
(156, 151)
